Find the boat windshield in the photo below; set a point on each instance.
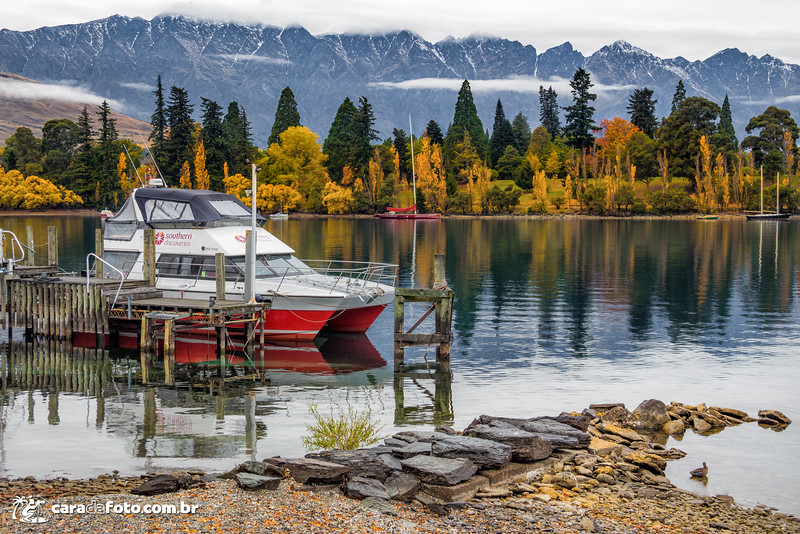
(276, 265)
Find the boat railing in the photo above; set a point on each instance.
(104, 262)
(13, 259)
(363, 274)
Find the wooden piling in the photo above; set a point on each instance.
(145, 347)
(30, 257)
(150, 256)
(52, 245)
(98, 250)
(219, 260)
(169, 352)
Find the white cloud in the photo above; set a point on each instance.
(252, 57)
(43, 91)
(517, 84)
(143, 87)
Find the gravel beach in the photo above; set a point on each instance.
(223, 507)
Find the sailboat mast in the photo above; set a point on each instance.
(762, 189)
(413, 172)
(778, 186)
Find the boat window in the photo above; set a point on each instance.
(168, 210)
(122, 225)
(229, 208)
(276, 265)
(181, 266)
(122, 260)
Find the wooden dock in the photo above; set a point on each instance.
(440, 298)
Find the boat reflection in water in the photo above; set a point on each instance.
(220, 412)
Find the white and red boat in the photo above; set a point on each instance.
(191, 226)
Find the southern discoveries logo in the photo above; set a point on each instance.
(173, 239)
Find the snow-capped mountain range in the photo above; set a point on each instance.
(400, 73)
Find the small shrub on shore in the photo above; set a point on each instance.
(345, 431)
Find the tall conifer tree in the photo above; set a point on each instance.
(679, 96)
(213, 137)
(579, 116)
(522, 132)
(180, 145)
(549, 110)
(465, 119)
(642, 110)
(502, 134)
(726, 123)
(336, 145)
(286, 115)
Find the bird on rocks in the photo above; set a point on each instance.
(700, 471)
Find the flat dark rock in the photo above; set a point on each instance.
(525, 446)
(402, 486)
(250, 481)
(158, 485)
(413, 449)
(362, 488)
(484, 453)
(413, 436)
(309, 470)
(390, 462)
(442, 471)
(362, 462)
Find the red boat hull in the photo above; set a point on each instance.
(354, 320)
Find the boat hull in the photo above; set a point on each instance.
(354, 320)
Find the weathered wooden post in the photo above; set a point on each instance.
(399, 327)
(52, 245)
(219, 260)
(98, 249)
(145, 347)
(149, 268)
(30, 257)
(169, 352)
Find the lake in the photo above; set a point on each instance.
(550, 315)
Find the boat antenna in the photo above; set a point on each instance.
(154, 161)
(133, 165)
(413, 173)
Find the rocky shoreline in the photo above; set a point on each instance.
(601, 470)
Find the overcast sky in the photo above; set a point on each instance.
(694, 29)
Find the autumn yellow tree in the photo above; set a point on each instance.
(374, 176)
(202, 179)
(297, 161)
(431, 181)
(186, 176)
(337, 199)
(125, 182)
(33, 192)
(478, 184)
(271, 198)
(705, 188)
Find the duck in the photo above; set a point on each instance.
(700, 471)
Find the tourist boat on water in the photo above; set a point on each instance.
(191, 226)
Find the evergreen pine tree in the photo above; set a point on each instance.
(679, 96)
(107, 156)
(337, 143)
(158, 120)
(362, 134)
(213, 138)
(78, 178)
(522, 132)
(180, 144)
(434, 133)
(401, 146)
(548, 111)
(502, 134)
(579, 116)
(642, 110)
(726, 123)
(465, 119)
(286, 115)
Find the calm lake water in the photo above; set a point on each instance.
(549, 316)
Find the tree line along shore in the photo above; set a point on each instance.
(688, 162)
